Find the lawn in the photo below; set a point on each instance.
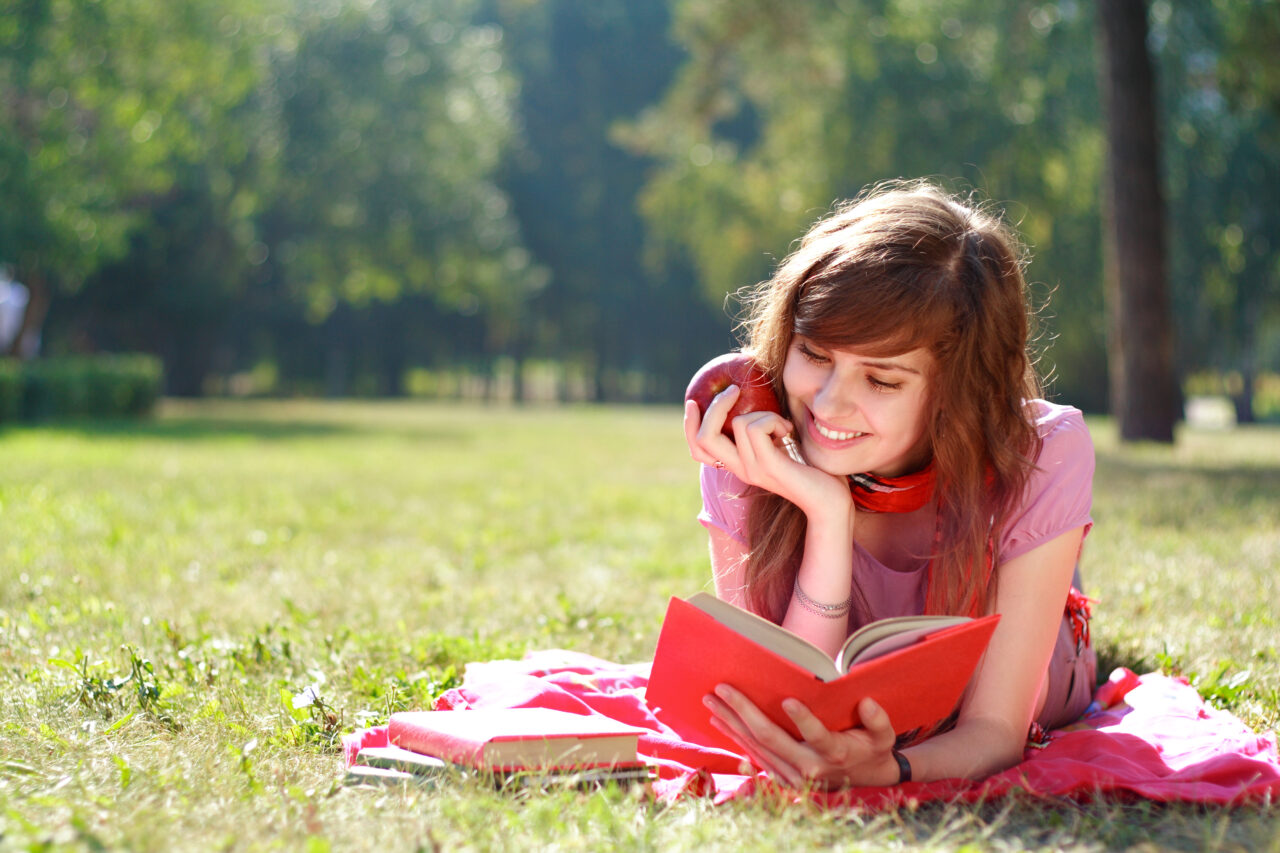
(167, 588)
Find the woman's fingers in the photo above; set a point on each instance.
(760, 756)
(760, 433)
(763, 730)
(814, 733)
(692, 426)
(726, 720)
(702, 430)
(765, 462)
(877, 723)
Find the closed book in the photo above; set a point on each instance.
(509, 739)
(404, 760)
(916, 668)
(359, 775)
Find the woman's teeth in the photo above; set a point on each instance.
(836, 435)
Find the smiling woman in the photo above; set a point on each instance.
(933, 479)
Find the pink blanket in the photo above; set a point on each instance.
(1162, 743)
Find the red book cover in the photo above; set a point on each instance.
(510, 739)
(918, 685)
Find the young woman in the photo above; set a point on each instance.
(934, 480)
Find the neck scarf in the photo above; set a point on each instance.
(907, 493)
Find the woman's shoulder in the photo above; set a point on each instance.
(1061, 429)
(1059, 492)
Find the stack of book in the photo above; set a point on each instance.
(516, 746)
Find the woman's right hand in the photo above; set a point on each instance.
(755, 455)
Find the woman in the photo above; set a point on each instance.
(933, 479)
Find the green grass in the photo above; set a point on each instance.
(166, 588)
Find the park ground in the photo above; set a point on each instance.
(168, 587)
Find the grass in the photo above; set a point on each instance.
(166, 589)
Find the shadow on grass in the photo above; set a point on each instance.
(1182, 486)
(195, 428)
(1112, 654)
(1023, 822)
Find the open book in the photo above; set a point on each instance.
(915, 667)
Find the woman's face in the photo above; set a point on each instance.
(856, 413)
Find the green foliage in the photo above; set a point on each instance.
(104, 695)
(188, 164)
(100, 386)
(584, 66)
(348, 190)
(1223, 143)
(10, 390)
(783, 108)
(100, 99)
(392, 121)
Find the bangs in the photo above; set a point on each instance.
(885, 314)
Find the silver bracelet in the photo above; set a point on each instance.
(829, 611)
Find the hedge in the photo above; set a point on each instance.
(95, 386)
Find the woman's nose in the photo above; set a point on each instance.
(835, 399)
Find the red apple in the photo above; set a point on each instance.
(735, 368)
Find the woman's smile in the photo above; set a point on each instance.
(831, 437)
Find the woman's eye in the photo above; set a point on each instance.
(811, 355)
(881, 385)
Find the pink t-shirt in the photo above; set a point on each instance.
(1058, 498)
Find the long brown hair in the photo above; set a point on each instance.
(902, 266)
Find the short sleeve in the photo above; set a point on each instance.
(1059, 494)
(724, 505)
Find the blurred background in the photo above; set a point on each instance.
(554, 200)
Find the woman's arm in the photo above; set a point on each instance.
(1011, 681)
(825, 575)
(991, 732)
(826, 569)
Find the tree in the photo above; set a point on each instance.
(98, 101)
(392, 122)
(1144, 391)
(585, 66)
(335, 160)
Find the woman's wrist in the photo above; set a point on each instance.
(904, 766)
(825, 508)
(830, 523)
(890, 771)
(884, 772)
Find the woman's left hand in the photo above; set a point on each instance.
(855, 757)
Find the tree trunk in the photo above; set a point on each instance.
(1243, 401)
(1144, 390)
(339, 338)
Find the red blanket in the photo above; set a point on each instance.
(1161, 743)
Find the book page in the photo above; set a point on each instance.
(887, 635)
(773, 637)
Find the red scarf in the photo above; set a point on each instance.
(907, 493)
